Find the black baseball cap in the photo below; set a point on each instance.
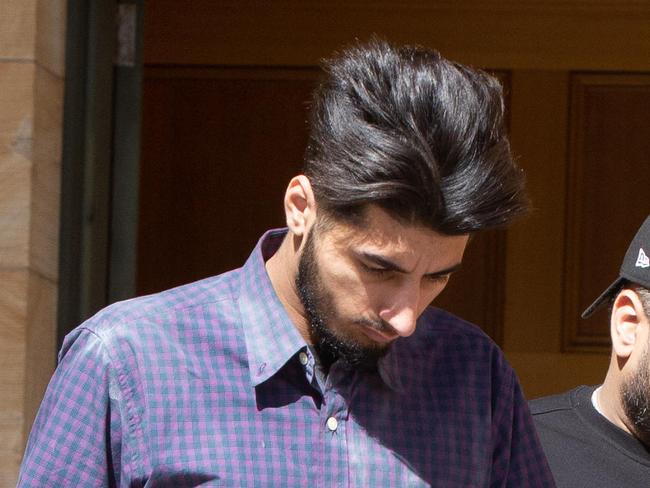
(635, 268)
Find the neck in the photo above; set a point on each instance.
(282, 268)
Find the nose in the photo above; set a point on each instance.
(402, 313)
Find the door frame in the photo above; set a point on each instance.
(100, 158)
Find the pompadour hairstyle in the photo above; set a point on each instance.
(419, 136)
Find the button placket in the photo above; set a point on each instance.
(336, 410)
(334, 418)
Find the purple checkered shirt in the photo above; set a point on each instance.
(210, 384)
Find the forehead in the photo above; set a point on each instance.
(381, 232)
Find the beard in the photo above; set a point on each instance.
(635, 395)
(320, 312)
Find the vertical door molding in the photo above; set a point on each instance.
(100, 158)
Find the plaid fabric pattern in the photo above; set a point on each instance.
(210, 384)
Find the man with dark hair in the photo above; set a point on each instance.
(600, 435)
(320, 362)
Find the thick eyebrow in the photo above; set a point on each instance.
(389, 265)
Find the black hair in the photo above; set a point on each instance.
(644, 296)
(419, 136)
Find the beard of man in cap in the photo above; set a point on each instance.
(624, 397)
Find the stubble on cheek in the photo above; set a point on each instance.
(635, 393)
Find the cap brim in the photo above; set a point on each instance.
(604, 297)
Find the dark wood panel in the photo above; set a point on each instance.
(219, 146)
(608, 193)
(218, 149)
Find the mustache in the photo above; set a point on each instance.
(377, 324)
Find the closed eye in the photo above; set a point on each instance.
(437, 278)
(379, 272)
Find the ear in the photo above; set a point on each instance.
(625, 323)
(299, 205)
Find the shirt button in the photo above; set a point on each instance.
(332, 424)
(303, 358)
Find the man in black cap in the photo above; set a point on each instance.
(599, 436)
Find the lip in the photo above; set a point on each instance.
(377, 336)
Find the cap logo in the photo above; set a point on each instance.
(642, 261)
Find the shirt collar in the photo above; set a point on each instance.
(271, 337)
(389, 370)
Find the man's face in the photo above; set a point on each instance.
(635, 393)
(363, 288)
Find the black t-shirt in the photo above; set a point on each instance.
(583, 448)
